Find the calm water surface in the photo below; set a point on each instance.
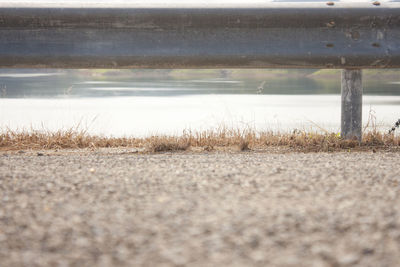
(144, 106)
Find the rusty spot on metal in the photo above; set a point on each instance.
(330, 45)
(331, 24)
(376, 3)
(355, 35)
(330, 3)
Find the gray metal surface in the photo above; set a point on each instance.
(352, 90)
(179, 35)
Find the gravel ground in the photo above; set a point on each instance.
(115, 208)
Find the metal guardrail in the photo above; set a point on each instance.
(257, 34)
(269, 35)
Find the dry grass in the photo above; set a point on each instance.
(166, 144)
(241, 140)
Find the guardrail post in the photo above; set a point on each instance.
(351, 104)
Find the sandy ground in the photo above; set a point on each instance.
(113, 208)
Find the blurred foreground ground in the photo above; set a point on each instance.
(117, 208)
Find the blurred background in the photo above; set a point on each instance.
(147, 102)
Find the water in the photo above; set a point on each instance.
(144, 105)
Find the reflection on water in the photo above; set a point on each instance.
(27, 75)
(142, 106)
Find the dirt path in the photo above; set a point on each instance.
(109, 208)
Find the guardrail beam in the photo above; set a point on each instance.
(131, 34)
